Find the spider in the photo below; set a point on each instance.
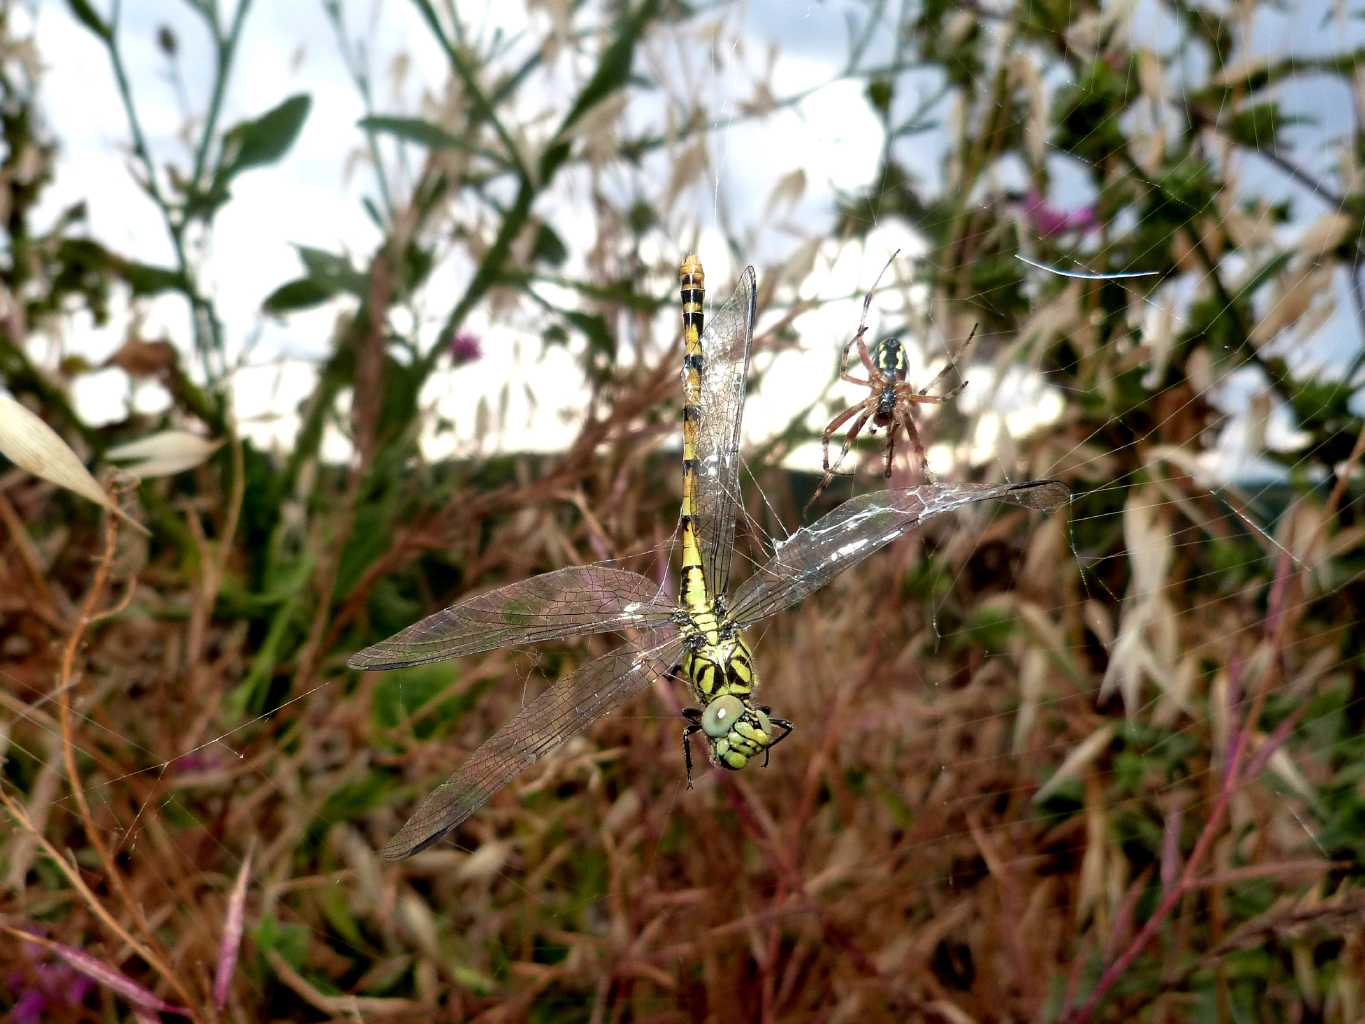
(890, 403)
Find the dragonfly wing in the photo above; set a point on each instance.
(817, 553)
(569, 602)
(725, 344)
(594, 691)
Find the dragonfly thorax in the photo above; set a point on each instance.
(718, 662)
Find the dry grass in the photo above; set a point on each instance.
(891, 863)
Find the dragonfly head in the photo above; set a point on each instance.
(736, 731)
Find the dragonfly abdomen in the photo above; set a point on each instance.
(692, 593)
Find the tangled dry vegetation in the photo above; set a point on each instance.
(895, 861)
(1101, 765)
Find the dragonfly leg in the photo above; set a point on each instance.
(693, 716)
(782, 724)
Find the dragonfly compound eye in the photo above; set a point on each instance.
(721, 715)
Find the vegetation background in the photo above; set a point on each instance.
(1103, 765)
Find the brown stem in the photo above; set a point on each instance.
(65, 683)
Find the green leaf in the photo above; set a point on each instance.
(1269, 270)
(880, 92)
(549, 247)
(87, 16)
(474, 980)
(594, 326)
(302, 293)
(611, 74)
(417, 264)
(336, 907)
(334, 271)
(265, 139)
(1261, 125)
(254, 693)
(290, 941)
(1087, 114)
(413, 129)
(146, 279)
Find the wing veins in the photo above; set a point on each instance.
(590, 693)
(858, 528)
(726, 342)
(577, 601)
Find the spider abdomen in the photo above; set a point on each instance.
(890, 359)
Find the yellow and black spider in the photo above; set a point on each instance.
(890, 403)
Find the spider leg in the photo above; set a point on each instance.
(843, 352)
(906, 394)
(907, 418)
(953, 357)
(890, 447)
(866, 357)
(832, 427)
(924, 391)
(862, 322)
(864, 412)
(947, 395)
(849, 438)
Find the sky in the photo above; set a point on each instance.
(313, 198)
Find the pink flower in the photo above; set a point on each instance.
(465, 348)
(1048, 220)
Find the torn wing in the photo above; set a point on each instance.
(569, 602)
(725, 343)
(594, 691)
(817, 553)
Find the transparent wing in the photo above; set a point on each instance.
(593, 692)
(569, 602)
(817, 553)
(725, 343)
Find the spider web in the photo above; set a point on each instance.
(1020, 697)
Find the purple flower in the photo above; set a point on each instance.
(195, 761)
(65, 981)
(49, 989)
(1048, 220)
(464, 348)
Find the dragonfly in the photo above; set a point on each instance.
(696, 638)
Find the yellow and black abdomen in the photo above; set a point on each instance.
(890, 359)
(692, 589)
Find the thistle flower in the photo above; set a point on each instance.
(464, 348)
(1048, 220)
